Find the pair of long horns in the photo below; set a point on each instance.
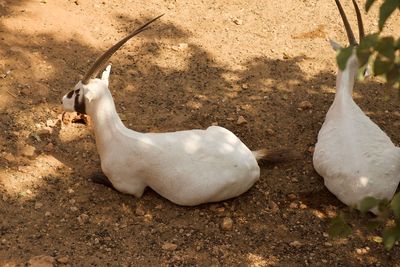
(101, 62)
(350, 34)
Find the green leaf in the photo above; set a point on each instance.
(386, 9)
(385, 47)
(369, 41)
(392, 77)
(377, 239)
(363, 57)
(390, 236)
(373, 224)
(395, 204)
(343, 56)
(383, 208)
(338, 227)
(397, 45)
(368, 203)
(369, 4)
(382, 66)
(366, 48)
(389, 239)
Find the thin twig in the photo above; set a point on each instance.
(12, 94)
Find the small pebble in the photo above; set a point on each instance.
(270, 131)
(362, 251)
(9, 157)
(295, 244)
(28, 151)
(169, 246)
(44, 131)
(220, 210)
(140, 211)
(181, 46)
(83, 218)
(51, 123)
(38, 205)
(227, 224)
(148, 217)
(285, 55)
(237, 21)
(303, 206)
(292, 196)
(273, 207)
(63, 260)
(49, 147)
(26, 91)
(305, 105)
(41, 261)
(241, 120)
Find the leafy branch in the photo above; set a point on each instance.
(387, 211)
(381, 52)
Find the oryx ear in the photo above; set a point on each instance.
(335, 45)
(106, 74)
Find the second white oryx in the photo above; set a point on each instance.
(353, 155)
(187, 167)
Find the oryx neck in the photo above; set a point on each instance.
(107, 124)
(345, 83)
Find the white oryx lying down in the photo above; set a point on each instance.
(186, 167)
(353, 155)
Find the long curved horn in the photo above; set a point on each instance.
(359, 21)
(100, 62)
(350, 34)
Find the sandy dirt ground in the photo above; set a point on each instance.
(205, 62)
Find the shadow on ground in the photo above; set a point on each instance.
(49, 206)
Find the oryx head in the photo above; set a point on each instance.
(90, 88)
(352, 61)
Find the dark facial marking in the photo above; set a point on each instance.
(79, 105)
(69, 95)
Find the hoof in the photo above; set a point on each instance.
(100, 178)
